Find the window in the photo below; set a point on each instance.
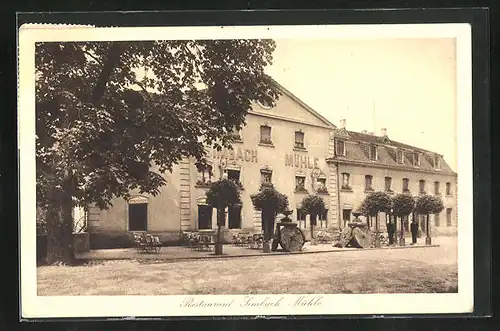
(301, 219)
(138, 217)
(448, 188)
(265, 104)
(345, 180)
(236, 134)
(400, 156)
(265, 134)
(266, 176)
(204, 217)
(406, 183)
(233, 175)
(205, 175)
(322, 186)
(234, 217)
(368, 183)
(300, 183)
(448, 217)
(299, 139)
(388, 184)
(323, 218)
(416, 159)
(339, 147)
(436, 219)
(422, 186)
(436, 188)
(437, 162)
(346, 215)
(373, 153)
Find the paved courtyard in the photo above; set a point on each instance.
(418, 270)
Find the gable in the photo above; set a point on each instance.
(288, 106)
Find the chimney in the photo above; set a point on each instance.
(383, 132)
(342, 123)
(364, 131)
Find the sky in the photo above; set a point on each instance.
(407, 86)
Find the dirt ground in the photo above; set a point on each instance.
(417, 270)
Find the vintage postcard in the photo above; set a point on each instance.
(257, 170)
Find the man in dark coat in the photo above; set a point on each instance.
(390, 232)
(414, 231)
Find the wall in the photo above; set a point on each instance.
(109, 228)
(357, 183)
(316, 141)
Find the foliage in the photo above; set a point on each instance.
(112, 117)
(270, 202)
(108, 131)
(313, 205)
(403, 204)
(429, 204)
(269, 199)
(376, 202)
(223, 193)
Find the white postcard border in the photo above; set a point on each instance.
(33, 306)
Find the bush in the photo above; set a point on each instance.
(314, 206)
(270, 202)
(375, 203)
(429, 204)
(403, 205)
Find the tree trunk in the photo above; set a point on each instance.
(377, 232)
(60, 229)
(428, 234)
(110, 63)
(221, 221)
(402, 234)
(313, 223)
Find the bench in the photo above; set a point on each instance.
(146, 243)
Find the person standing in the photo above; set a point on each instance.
(390, 231)
(414, 231)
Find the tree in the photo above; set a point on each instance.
(222, 194)
(102, 130)
(402, 205)
(270, 202)
(314, 206)
(428, 204)
(372, 205)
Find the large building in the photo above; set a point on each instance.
(291, 146)
(367, 162)
(287, 145)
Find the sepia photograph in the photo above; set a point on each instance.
(268, 170)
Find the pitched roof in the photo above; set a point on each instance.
(387, 149)
(303, 104)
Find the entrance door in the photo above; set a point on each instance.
(204, 217)
(346, 216)
(138, 217)
(234, 217)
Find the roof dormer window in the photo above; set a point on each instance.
(400, 156)
(373, 153)
(416, 159)
(437, 162)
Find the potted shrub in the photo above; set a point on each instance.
(222, 194)
(271, 203)
(425, 205)
(402, 205)
(373, 204)
(314, 206)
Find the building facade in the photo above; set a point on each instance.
(367, 162)
(288, 145)
(300, 153)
